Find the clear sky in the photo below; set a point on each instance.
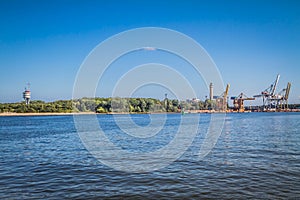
(45, 42)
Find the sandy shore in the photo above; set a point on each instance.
(89, 113)
(44, 114)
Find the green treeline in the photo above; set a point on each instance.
(105, 105)
(38, 106)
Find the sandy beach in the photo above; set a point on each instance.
(43, 114)
(113, 113)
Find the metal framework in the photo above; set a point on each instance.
(272, 101)
(282, 98)
(221, 101)
(238, 102)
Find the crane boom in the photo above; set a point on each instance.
(226, 91)
(287, 91)
(275, 85)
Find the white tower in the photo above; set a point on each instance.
(27, 94)
(211, 91)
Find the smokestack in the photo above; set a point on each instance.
(211, 91)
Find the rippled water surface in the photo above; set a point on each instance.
(257, 156)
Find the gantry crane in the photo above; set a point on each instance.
(284, 100)
(282, 97)
(221, 101)
(238, 102)
(268, 96)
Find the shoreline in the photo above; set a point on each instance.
(42, 114)
(7, 114)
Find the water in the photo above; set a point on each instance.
(256, 156)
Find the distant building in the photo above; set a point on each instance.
(193, 100)
(27, 94)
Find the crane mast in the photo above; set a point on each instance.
(275, 85)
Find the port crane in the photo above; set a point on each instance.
(221, 101)
(238, 102)
(268, 96)
(282, 97)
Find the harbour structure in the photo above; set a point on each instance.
(27, 94)
(273, 101)
(238, 102)
(222, 100)
(282, 97)
(268, 96)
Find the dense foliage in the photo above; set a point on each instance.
(38, 106)
(105, 105)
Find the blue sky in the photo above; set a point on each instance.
(45, 42)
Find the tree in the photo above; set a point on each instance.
(209, 104)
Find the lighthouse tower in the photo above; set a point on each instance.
(211, 91)
(27, 94)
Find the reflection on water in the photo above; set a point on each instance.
(256, 156)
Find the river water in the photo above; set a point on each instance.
(256, 156)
